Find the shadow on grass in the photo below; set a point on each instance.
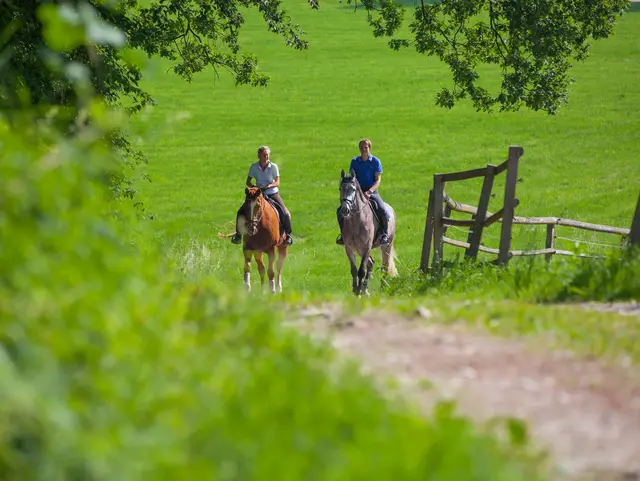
(633, 8)
(409, 4)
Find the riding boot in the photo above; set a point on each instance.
(384, 227)
(237, 237)
(339, 240)
(287, 229)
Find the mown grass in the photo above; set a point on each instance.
(579, 164)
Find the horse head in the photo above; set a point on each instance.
(253, 207)
(350, 193)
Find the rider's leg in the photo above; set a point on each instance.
(383, 216)
(286, 220)
(237, 237)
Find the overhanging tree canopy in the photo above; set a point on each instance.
(194, 34)
(532, 42)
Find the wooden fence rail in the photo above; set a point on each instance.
(440, 207)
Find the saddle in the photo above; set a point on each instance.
(375, 208)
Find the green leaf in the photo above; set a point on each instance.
(63, 30)
(518, 433)
(98, 31)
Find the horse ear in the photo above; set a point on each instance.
(342, 173)
(246, 191)
(352, 173)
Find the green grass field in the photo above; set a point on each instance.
(581, 164)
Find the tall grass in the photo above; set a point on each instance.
(612, 277)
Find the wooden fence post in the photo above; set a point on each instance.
(428, 235)
(438, 199)
(509, 203)
(634, 235)
(485, 195)
(551, 240)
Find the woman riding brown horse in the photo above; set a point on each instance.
(260, 229)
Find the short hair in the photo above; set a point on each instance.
(367, 141)
(262, 148)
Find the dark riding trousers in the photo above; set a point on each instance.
(383, 207)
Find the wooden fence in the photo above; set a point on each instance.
(440, 207)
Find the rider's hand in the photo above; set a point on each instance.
(367, 194)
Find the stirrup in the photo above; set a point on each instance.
(384, 239)
(288, 240)
(339, 240)
(237, 238)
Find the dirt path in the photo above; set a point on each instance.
(585, 413)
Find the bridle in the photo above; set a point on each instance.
(255, 219)
(258, 217)
(351, 199)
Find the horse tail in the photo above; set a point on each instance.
(226, 236)
(389, 260)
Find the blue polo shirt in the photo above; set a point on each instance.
(366, 170)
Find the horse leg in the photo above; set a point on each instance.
(261, 269)
(247, 269)
(365, 285)
(272, 283)
(363, 271)
(354, 271)
(282, 255)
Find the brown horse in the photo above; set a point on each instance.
(358, 233)
(260, 229)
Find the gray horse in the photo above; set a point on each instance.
(358, 233)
